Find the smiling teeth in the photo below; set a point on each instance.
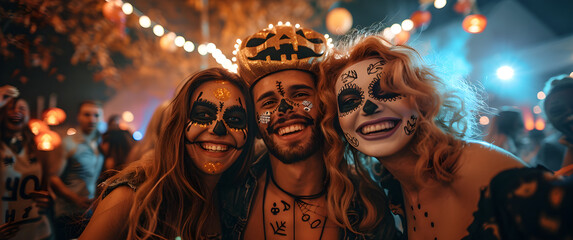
(378, 127)
(214, 147)
(290, 129)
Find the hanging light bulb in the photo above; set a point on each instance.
(474, 23)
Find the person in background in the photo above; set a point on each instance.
(23, 175)
(558, 108)
(295, 191)
(115, 146)
(154, 128)
(506, 130)
(206, 143)
(113, 122)
(77, 172)
(392, 107)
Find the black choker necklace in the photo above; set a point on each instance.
(298, 200)
(296, 197)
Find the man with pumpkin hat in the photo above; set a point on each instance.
(293, 191)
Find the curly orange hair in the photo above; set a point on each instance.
(446, 111)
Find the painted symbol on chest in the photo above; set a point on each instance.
(279, 228)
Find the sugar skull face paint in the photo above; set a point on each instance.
(287, 120)
(217, 127)
(379, 123)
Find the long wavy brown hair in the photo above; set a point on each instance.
(446, 111)
(171, 200)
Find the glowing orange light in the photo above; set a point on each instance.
(463, 6)
(475, 23)
(48, 140)
(528, 119)
(421, 18)
(37, 126)
(112, 11)
(402, 37)
(54, 116)
(338, 21)
(539, 124)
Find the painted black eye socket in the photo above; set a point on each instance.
(203, 112)
(349, 98)
(374, 91)
(235, 117)
(253, 42)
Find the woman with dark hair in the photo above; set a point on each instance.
(173, 193)
(115, 146)
(393, 108)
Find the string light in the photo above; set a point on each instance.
(127, 8)
(180, 41)
(144, 21)
(189, 46)
(158, 30)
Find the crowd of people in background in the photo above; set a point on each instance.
(386, 149)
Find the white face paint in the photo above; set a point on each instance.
(376, 122)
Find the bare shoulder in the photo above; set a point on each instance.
(110, 216)
(489, 156)
(481, 161)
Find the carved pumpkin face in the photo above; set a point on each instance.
(279, 48)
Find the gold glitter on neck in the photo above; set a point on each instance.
(212, 167)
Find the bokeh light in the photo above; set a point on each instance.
(537, 109)
(505, 73)
(144, 21)
(541, 95)
(484, 120)
(439, 4)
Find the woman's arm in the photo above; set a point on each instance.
(110, 219)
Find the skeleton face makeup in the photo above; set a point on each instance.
(376, 122)
(217, 129)
(287, 120)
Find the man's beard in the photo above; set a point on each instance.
(295, 151)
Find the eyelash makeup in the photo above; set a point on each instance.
(375, 92)
(353, 90)
(235, 112)
(201, 106)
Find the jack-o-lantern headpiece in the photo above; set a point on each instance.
(280, 48)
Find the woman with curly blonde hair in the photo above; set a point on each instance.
(393, 108)
(206, 143)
